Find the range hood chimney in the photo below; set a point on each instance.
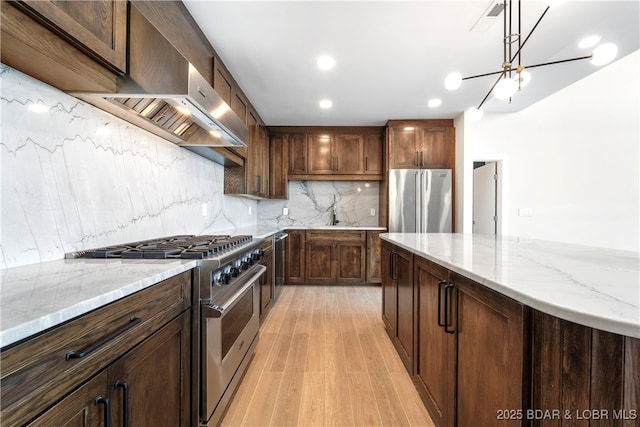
(164, 94)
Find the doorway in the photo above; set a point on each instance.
(485, 197)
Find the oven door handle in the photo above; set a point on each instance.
(282, 236)
(215, 311)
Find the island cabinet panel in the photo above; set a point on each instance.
(39, 372)
(435, 351)
(490, 353)
(591, 377)
(97, 27)
(397, 300)
(389, 289)
(295, 257)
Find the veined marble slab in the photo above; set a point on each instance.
(591, 286)
(37, 297)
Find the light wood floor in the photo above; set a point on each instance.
(324, 359)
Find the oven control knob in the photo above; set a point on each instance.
(235, 271)
(245, 264)
(225, 278)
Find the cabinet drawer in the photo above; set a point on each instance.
(40, 371)
(337, 235)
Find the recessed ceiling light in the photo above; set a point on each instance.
(588, 42)
(434, 102)
(326, 62)
(326, 104)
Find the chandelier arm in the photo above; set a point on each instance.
(561, 61)
(530, 32)
(491, 90)
(484, 75)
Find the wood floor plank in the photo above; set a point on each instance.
(313, 400)
(413, 406)
(363, 403)
(324, 359)
(260, 408)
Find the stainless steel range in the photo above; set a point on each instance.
(227, 289)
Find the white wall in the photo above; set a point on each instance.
(573, 158)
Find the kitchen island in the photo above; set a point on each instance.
(499, 330)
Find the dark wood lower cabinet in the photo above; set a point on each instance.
(490, 340)
(435, 351)
(483, 359)
(295, 257)
(335, 257)
(148, 386)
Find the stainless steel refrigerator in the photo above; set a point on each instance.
(420, 201)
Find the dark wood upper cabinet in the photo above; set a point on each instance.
(222, 82)
(320, 151)
(278, 165)
(97, 27)
(373, 164)
(421, 144)
(297, 153)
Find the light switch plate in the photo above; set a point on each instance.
(372, 212)
(525, 212)
(285, 211)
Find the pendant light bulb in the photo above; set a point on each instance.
(474, 114)
(453, 81)
(604, 54)
(505, 88)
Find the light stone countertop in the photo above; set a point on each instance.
(591, 286)
(36, 297)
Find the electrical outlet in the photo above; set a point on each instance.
(285, 211)
(525, 212)
(205, 209)
(372, 212)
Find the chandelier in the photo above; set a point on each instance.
(513, 75)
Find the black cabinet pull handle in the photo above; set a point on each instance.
(441, 284)
(107, 409)
(125, 401)
(447, 312)
(79, 355)
(390, 265)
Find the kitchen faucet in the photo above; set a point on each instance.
(334, 212)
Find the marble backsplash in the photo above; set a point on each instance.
(74, 177)
(310, 204)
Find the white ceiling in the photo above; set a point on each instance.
(393, 56)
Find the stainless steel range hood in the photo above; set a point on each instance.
(164, 94)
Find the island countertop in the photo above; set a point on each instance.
(591, 286)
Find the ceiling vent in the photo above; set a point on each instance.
(488, 17)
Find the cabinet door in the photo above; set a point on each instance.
(295, 256)
(490, 352)
(373, 164)
(81, 408)
(222, 81)
(403, 147)
(389, 289)
(252, 165)
(279, 160)
(297, 154)
(97, 27)
(266, 282)
(373, 257)
(263, 162)
(150, 384)
(347, 154)
(321, 160)
(404, 274)
(350, 259)
(434, 365)
(437, 148)
(320, 254)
